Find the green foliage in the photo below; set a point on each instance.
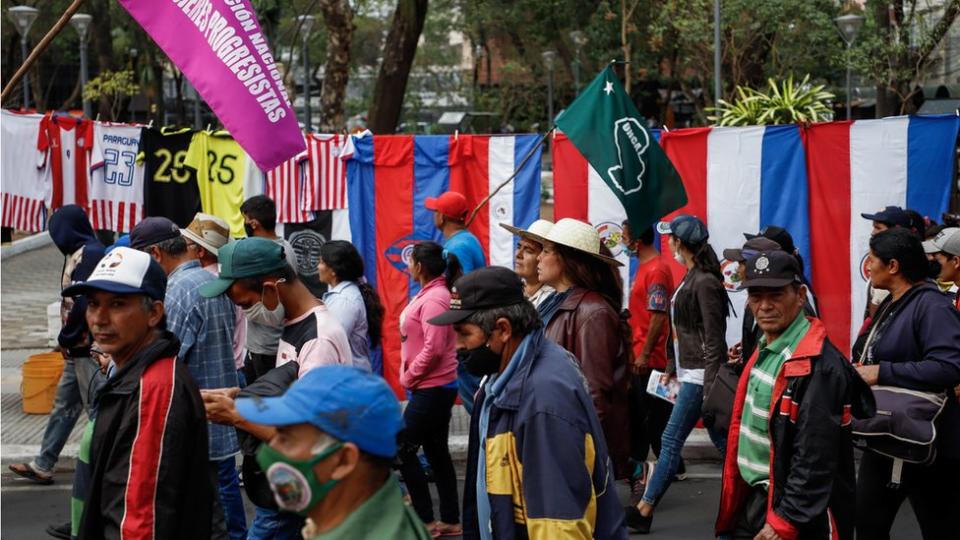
(112, 86)
(787, 103)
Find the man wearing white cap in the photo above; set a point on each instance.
(205, 235)
(945, 248)
(525, 261)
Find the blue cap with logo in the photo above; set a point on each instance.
(344, 402)
(124, 271)
(687, 228)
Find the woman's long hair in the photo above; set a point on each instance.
(344, 259)
(593, 274)
(433, 263)
(704, 259)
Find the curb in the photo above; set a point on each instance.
(24, 245)
(23, 453)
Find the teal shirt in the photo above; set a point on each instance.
(384, 515)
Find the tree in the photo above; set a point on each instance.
(786, 103)
(398, 54)
(338, 19)
(113, 88)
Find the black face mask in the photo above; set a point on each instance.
(249, 230)
(480, 361)
(933, 269)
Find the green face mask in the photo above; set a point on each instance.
(295, 487)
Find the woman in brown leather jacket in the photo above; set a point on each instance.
(583, 316)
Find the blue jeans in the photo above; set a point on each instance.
(230, 498)
(79, 384)
(683, 418)
(273, 525)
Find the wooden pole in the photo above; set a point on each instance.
(38, 50)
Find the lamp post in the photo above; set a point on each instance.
(306, 25)
(548, 58)
(717, 87)
(848, 26)
(22, 18)
(478, 61)
(579, 40)
(81, 23)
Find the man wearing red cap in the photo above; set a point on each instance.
(463, 254)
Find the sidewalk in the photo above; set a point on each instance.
(29, 281)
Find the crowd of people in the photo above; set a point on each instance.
(192, 352)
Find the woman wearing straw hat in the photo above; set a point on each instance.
(583, 316)
(699, 315)
(525, 260)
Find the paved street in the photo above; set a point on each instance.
(686, 513)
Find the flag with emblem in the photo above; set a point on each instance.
(607, 129)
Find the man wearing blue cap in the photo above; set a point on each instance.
(147, 448)
(329, 458)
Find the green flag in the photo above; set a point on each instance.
(608, 130)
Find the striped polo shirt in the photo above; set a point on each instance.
(753, 453)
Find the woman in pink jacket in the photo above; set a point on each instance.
(428, 370)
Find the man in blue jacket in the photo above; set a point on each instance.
(74, 237)
(537, 463)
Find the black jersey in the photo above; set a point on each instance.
(170, 189)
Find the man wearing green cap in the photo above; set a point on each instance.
(254, 271)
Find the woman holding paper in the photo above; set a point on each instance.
(699, 316)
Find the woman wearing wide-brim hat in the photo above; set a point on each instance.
(584, 317)
(525, 260)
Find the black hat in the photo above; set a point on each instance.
(750, 248)
(891, 216)
(778, 235)
(484, 288)
(772, 269)
(153, 230)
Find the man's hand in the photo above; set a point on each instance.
(767, 533)
(220, 405)
(869, 374)
(641, 363)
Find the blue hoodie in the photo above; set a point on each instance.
(72, 233)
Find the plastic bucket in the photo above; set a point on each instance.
(41, 374)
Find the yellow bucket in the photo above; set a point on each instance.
(41, 374)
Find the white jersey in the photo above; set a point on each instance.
(116, 193)
(22, 172)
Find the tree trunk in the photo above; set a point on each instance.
(399, 52)
(101, 39)
(338, 18)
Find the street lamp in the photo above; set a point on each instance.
(306, 25)
(81, 23)
(548, 58)
(579, 40)
(848, 26)
(717, 87)
(22, 18)
(478, 62)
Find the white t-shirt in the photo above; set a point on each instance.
(24, 187)
(692, 376)
(116, 179)
(314, 339)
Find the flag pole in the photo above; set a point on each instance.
(38, 50)
(523, 164)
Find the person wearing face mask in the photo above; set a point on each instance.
(428, 371)
(263, 326)
(698, 314)
(335, 435)
(537, 463)
(254, 271)
(205, 327)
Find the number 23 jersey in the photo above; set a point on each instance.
(221, 167)
(170, 187)
(116, 180)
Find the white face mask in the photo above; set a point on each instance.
(679, 258)
(259, 313)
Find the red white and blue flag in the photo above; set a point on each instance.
(814, 181)
(389, 178)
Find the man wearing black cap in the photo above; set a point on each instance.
(789, 470)
(534, 418)
(147, 448)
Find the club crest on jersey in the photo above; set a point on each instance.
(611, 235)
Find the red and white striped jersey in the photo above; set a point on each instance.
(285, 187)
(116, 179)
(325, 178)
(23, 183)
(65, 142)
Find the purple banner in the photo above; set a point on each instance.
(218, 45)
